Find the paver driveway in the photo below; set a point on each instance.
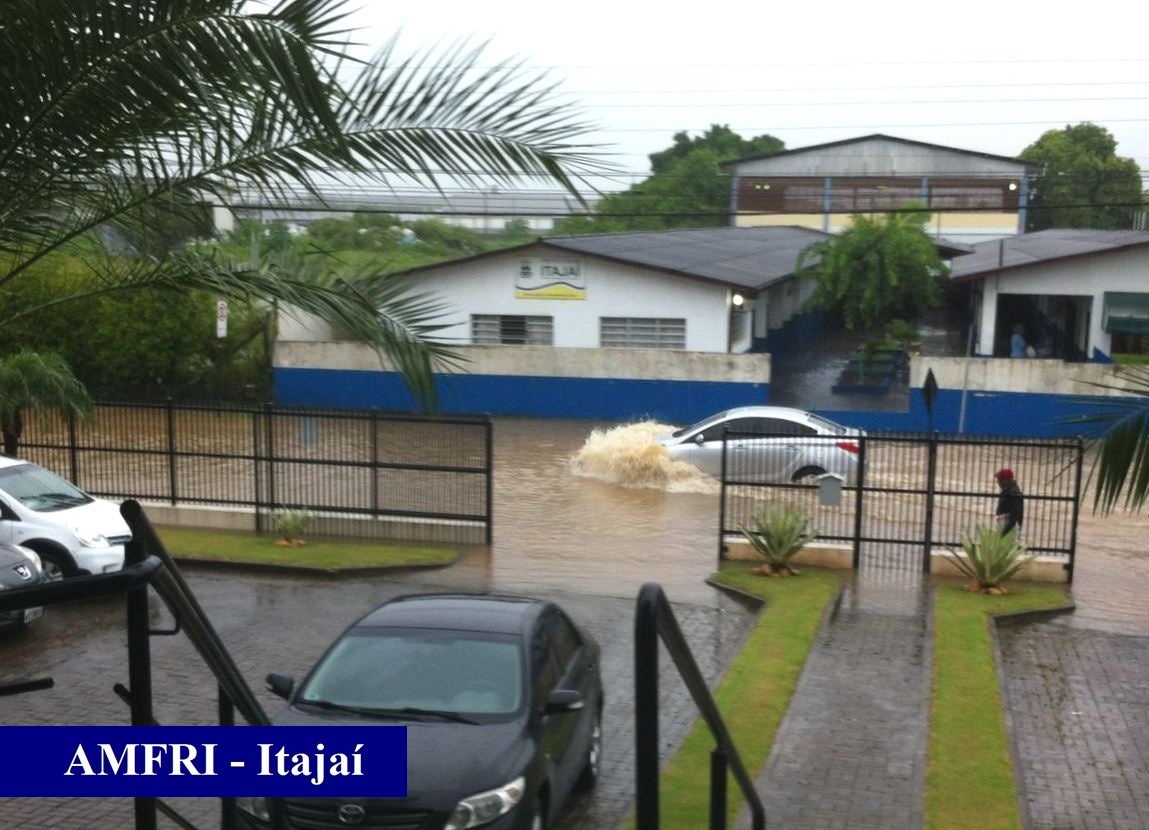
(281, 623)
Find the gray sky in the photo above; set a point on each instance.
(978, 75)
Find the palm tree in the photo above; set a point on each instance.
(115, 116)
(29, 380)
(1120, 428)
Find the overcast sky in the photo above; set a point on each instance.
(977, 75)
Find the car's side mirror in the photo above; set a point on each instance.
(561, 701)
(700, 438)
(280, 685)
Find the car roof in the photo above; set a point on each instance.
(489, 613)
(8, 461)
(767, 412)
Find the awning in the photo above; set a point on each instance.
(1125, 312)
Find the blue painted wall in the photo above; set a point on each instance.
(541, 397)
(1026, 414)
(987, 413)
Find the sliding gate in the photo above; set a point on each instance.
(904, 496)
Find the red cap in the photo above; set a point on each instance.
(1004, 474)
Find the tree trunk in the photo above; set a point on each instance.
(12, 429)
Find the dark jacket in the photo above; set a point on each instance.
(1011, 504)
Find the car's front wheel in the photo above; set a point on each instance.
(56, 567)
(593, 763)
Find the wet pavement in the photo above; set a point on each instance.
(1077, 688)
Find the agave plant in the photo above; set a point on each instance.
(990, 558)
(291, 525)
(778, 533)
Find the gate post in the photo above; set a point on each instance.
(931, 475)
(860, 485)
(1076, 511)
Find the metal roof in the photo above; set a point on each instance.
(881, 137)
(752, 258)
(1031, 249)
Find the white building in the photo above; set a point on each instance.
(1077, 294)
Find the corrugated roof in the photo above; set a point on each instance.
(744, 257)
(813, 148)
(1043, 246)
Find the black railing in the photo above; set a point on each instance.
(654, 621)
(148, 564)
(359, 473)
(907, 492)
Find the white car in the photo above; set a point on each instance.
(795, 445)
(73, 533)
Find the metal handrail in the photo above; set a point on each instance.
(148, 563)
(654, 620)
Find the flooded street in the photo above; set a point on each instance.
(556, 530)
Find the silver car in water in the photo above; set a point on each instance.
(769, 444)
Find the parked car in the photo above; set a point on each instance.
(19, 568)
(73, 532)
(501, 696)
(794, 446)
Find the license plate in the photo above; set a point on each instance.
(32, 614)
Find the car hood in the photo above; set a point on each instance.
(97, 515)
(10, 559)
(446, 761)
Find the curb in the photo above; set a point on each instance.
(191, 562)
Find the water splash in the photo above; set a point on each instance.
(629, 456)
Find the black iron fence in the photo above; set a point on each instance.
(357, 473)
(904, 496)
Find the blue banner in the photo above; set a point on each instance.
(203, 761)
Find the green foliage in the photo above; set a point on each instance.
(902, 331)
(141, 345)
(687, 190)
(778, 533)
(991, 557)
(1084, 183)
(290, 525)
(29, 380)
(129, 116)
(879, 269)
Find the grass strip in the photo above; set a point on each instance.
(249, 548)
(754, 694)
(969, 776)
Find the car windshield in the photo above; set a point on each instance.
(39, 490)
(700, 425)
(426, 670)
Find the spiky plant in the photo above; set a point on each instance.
(291, 525)
(991, 557)
(778, 533)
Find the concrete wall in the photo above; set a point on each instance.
(1085, 276)
(540, 381)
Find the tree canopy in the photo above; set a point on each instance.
(878, 270)
(687, 189)
(128, 117)
(1084, 183)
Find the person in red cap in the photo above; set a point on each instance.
(1010, 504)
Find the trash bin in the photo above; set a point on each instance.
(830, 489)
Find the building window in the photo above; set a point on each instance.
(512, 330)
(642, 332)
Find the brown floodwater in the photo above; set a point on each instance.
(600, 508)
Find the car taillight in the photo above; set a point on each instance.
(849, 446)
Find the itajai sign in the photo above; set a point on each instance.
(550, 279)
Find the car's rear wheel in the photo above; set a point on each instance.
(807, 475)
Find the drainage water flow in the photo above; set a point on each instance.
(630, 455)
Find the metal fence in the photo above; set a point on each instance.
(358, 473)
(905, 496)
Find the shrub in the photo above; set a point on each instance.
(990, 558)
(778, 534)
(292, 524)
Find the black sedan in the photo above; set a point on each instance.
(503, 703)
(19, 568)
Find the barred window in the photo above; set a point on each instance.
(512, 330)
(642, 332)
